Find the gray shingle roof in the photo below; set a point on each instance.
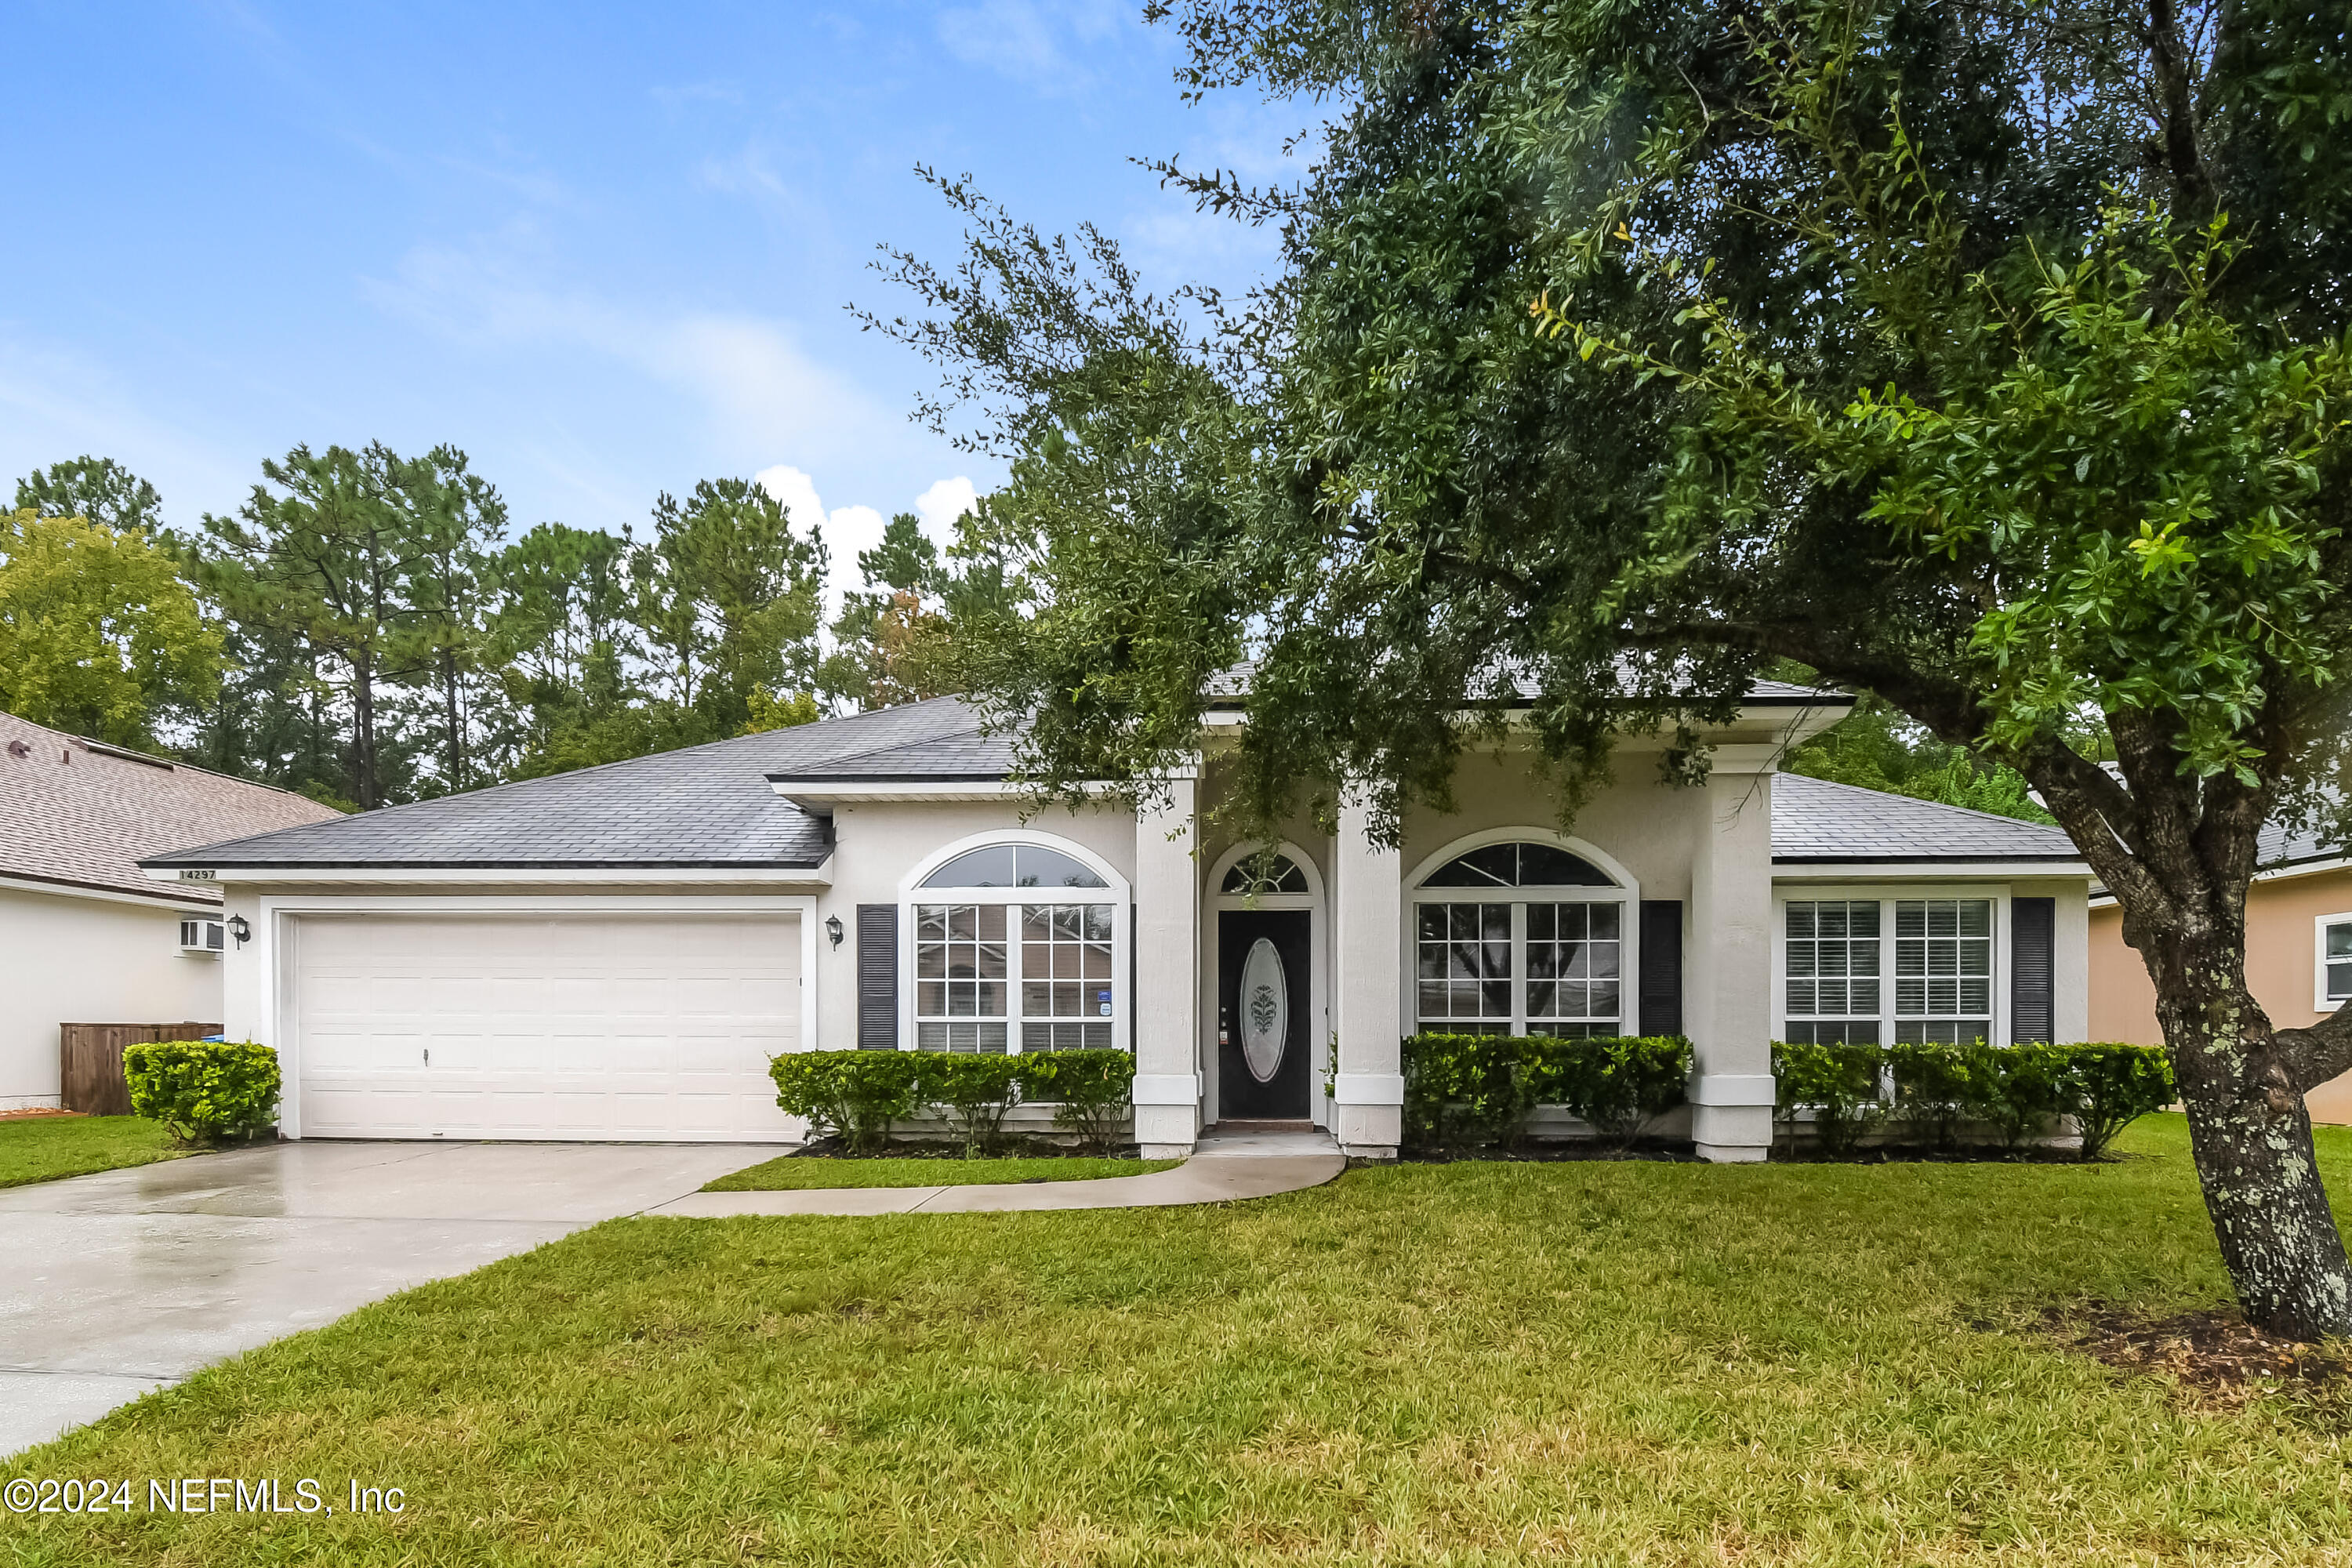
(707, 805)
(79, 813)
(1815, 821)
(714, 807)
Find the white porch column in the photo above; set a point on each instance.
(1367, 939)
(1729, 988)
(1166, 964)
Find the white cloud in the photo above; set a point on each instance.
(945, 501)
(750, 372)
(850, 529)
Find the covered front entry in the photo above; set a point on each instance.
(626, 1026)
(1265, 1070)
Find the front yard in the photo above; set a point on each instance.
(1592, 1362)
(43, 1148)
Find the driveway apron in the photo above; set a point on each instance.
(130, 1280)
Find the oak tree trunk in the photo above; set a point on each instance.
(2251, 1135)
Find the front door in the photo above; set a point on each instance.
(1263, 1068)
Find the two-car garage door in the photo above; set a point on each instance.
(652, 1026)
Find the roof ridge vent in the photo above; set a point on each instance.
(141, 758)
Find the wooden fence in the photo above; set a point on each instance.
(89, 1061)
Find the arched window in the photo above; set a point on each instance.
(1520, 937)
(1018, 946)
(1016, 866)
(1254, 874)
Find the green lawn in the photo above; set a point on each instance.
(43, 1148)
(1592, 1362)
(798, 1170)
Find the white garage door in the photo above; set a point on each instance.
(651, 1025)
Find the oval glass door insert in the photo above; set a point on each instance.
(1266, 1011)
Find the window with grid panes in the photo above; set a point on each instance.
(1573, 974)
(1066, 976)
(961, 1000)
(1943, 970)
(1832, 971)
(1463, 973)
(2336, 983)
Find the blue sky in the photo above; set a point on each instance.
(604, 250)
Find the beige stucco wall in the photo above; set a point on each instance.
(71, 959)
(2280, 955)
(878, 843)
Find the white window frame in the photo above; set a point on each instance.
(212, 926)
(1886, 896)
(1626, 893)
(1116, 891)
(2321, 1002)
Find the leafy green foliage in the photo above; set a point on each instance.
(203, 1091)
(1462, 1091)
(1619, 1084)
(1465, 1090)
(2108, 1087)
(1875, 747)
(1090, 1091)
(973, 1091)
(1837, 1083)
(1938, 1090)
(1988, 358)
(99, 490)
(99, 635)
(854, 1094)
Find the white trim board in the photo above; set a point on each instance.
(208, 909)
(820, 875)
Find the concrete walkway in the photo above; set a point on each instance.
(1223, 1168)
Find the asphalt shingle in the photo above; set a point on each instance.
(1814, 820)
(81, 814)
(705, 806)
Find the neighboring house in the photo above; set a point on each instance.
(617, 953)
(88, 937)
(2298, 955)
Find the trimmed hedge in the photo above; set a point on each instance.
(203, 1091)
(1462, 1091)
(1936, 1088)
(857, 1094)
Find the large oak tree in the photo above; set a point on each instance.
(1986, 355)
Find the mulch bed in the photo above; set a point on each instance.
(2214, 1356)
(35, 1114)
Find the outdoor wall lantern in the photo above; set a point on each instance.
(832, 929)
(239, 928)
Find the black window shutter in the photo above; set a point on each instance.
(1660, 990)
(2033, 987)
(878, 977)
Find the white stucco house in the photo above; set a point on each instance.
(617, 952)
(85, 936)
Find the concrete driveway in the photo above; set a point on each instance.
(130, 1280)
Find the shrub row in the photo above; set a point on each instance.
(857, 1094)
(1933, 1090)
(1462, 1090)
(203, 1091)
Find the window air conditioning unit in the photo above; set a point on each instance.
(199, 936)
